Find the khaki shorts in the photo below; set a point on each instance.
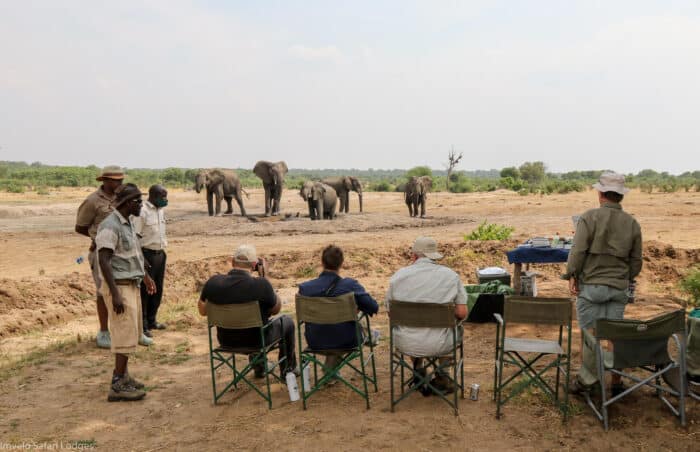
(125, 328)
(95, 268)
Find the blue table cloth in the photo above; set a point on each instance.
(531, 255)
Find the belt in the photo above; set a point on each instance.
(125, 282)
(146, 250)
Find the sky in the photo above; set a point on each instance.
(364, 84)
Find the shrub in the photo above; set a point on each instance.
(490, 231)
(690, 284)
(381, 186)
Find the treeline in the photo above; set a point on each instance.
(530, 177)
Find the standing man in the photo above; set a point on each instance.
(426, 281)
(91, 212)
(150, 227)
(605, 257)
(121, 266)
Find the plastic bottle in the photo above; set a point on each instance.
(555, 240)
(79, 260)
(306, 375)
(292, 386)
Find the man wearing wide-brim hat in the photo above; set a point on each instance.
(604, 260)
(91, 212)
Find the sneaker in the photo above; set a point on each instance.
(103, 339)
(134, 382)
(147, 333)
(121, 390)
(157, 326)
(443, 384)
(145, 341)
(617, 389)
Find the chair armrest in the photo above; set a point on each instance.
(271, 321)
(498, 318)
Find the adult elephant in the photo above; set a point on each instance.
(272, 175)
(220, 184)
(321, 198)
(343, 186)
(415, 194)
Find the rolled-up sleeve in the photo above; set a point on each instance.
(461, 297)
(106, 238)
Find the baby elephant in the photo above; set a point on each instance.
(322, 200)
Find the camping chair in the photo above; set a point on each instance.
(242, 316)
(639, 344)
(425, 315)
(524, 353)
(329, 311)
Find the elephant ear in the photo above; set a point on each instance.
(262, 170)
(347, 183)
(283, 167)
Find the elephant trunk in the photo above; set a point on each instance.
(319, 207)
(359, 195)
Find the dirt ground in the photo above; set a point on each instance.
(54, 382)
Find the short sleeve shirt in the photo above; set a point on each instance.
(239, 286)
(117, 234)
(94, 210)
(425, 282)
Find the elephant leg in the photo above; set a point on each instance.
(218, 203)
(422, 207)
(210, 202)
(276, 204)
(347, 202)
(267, 201)
(311, 209)
(341, 200)
(239, 200)
(410, 211)
(229, 206)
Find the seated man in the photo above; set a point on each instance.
(331, 284)
(425, 281)
(240, 286)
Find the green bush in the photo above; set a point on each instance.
(490, 231)
(690, 284)
(381, 186)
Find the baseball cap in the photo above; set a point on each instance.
(245, 254)
(426, 246)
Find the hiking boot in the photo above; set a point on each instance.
(147, 333)
(121, 390)
(134, 382)
(417, 379)
(578, 388)
(443, 384)
(103, 339)
(157, 326)
(145, 341)
(617, 388)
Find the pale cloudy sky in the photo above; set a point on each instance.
(363, 84)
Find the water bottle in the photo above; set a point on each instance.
(306, 375)
(555, 240)
(79, 260)
(292, 387)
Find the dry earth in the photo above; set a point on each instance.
(53, 381)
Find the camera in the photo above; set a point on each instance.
(258, 265)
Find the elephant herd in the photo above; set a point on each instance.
(321, 196)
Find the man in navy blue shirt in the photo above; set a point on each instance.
(331, 284)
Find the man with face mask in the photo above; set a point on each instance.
(150, 227)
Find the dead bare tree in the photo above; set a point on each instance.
(452, 161)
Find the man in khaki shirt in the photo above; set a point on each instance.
(91, 212)
(605, 258)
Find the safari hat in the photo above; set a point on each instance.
(125, 193)
(611, 182)
(426, 246)
(245, 254)
(111, 172)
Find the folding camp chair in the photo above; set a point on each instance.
(525, 353)
(639, 344)
(242, 316)
(329, 311)
(425, 315)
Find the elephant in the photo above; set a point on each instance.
(222, 184)
(415, 193)
(343, 186)
(272, 175)
(321, 198)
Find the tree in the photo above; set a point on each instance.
(452, 161)
(511, 172)
(419, 171)
(532, 172)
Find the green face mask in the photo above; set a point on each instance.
(160, 203)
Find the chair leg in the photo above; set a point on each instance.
(499, 389)
(364, 375)
(267, 382)
(213, 374)
(461, 364)
(402, 376)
